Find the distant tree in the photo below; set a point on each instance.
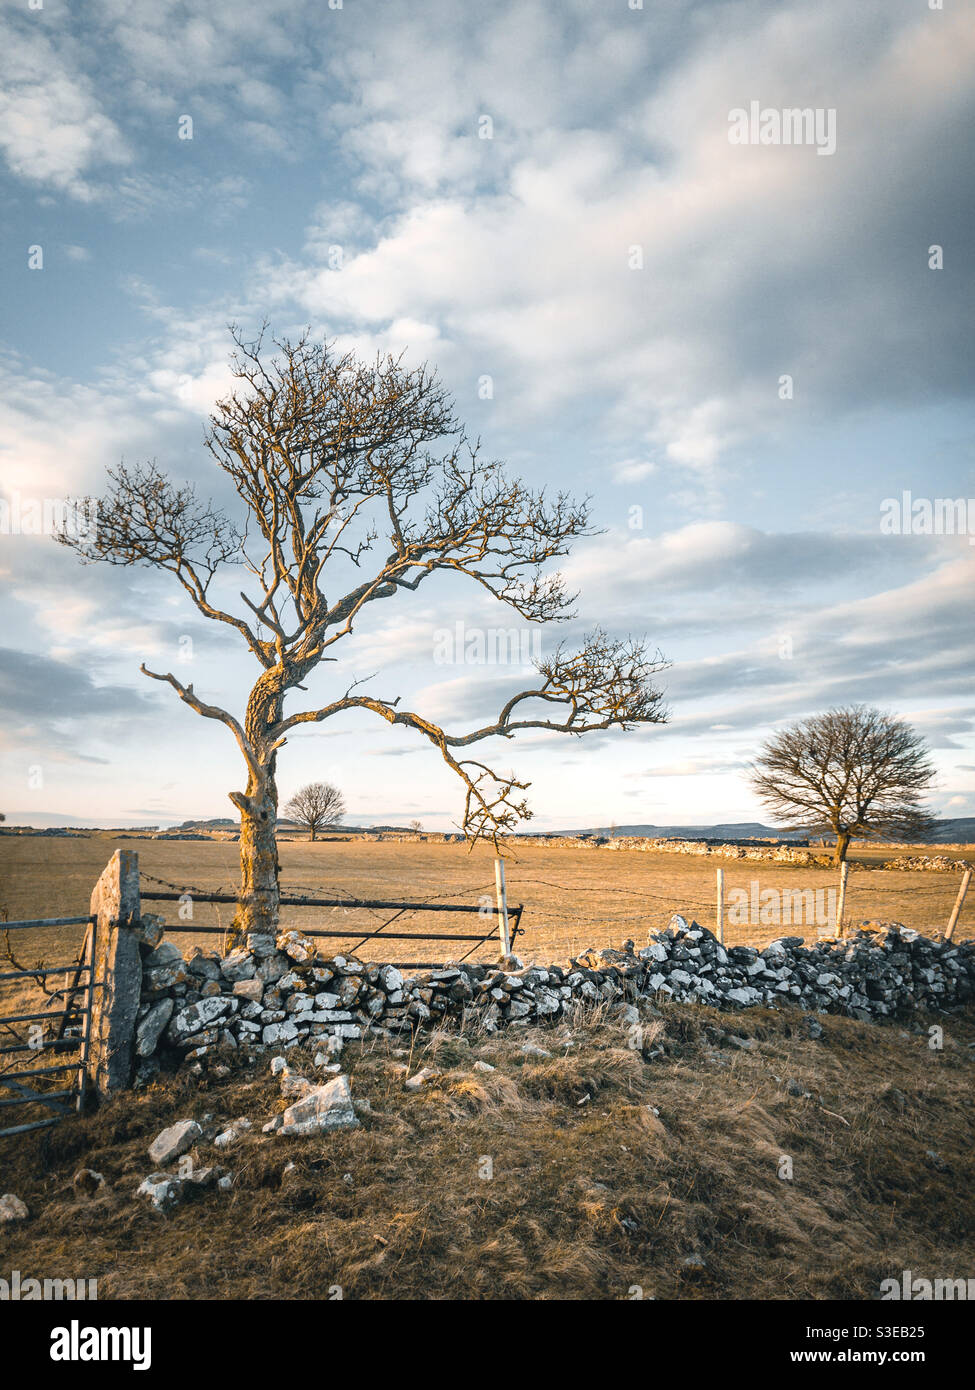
(318, 806)
(417, 827)
(854, 771)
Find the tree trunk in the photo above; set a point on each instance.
(260, 894)
(313, 832)
(257, 908)
(842, 845)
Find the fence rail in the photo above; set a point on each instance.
(508, 919)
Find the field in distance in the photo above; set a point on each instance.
(574, 898)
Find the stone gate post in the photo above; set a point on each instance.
(118, 963)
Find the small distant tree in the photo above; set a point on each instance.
(318, 805)
(417, 827)
(854, 771)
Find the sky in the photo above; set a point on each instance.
(743, 352)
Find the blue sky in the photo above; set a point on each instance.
(634, 285)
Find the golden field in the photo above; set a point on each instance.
(574, 898)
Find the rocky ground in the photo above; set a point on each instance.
(680, 1120)
(693, 1153)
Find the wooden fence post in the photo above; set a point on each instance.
(118, 969)
(841, 905)
(721, 906)
(503, 930)
(956, 910)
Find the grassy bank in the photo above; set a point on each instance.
(610, 1169)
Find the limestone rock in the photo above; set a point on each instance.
(283, 1032)
(324, 1108)
(12, 1208)
(238, 965)
(174, 1141)
(232, 1133)
(162, 1190)
(196, 1018)
(149, 930)
(296, 946)
(251, 990)
(419, 1079)
(149, 1029)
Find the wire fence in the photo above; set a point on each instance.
(498, 925)
(564, 915)
(572, 901)
(759, 901)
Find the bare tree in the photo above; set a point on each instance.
(332, 458)
(854, 771)
(318, 805)
(416, 827)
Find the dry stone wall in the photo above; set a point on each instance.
(276, 993)
(774, 854)
(931, 863)
(778, 854)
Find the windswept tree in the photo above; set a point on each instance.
(854, 771)
(317, 806)
(357, 484)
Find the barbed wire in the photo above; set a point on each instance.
(633, 892)
(544, 883)
(577, 918)
(186, 887)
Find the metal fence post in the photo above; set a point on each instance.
(89, 949)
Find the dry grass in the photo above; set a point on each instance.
(592, 1192)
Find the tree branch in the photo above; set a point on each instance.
(185, 693)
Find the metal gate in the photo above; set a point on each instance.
(509, 917)
(63, 1030)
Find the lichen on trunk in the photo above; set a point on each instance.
(257, 908)
(258, 901)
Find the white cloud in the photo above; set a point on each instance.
(53, 129)
(518, 248)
